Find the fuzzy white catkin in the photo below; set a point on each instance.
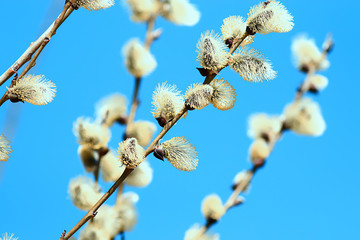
(181, 12)
(167, 101)
(263, 125)
(88, 157)
(138, 60)
(252, 66)
(259, 150)
(212, 207)
(5, 148)
(95, 4)
(198, 95)
(127, 214)
(239, 177)
(94, 232)
(143, 131)
(304, 117)
(111, 108)
(8, 236)
(83, 192)
(107, 219)
(110, 167)
(34, 89)
(142, 10)
(317, 82)
(269, 16)
(91, 134)
(131, 154)
(180, 153)
(194, 234)
(234, 27)
(224, 95)
(141, 176)
(307, 54)
(212, 51)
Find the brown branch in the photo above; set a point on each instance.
(35, 47)
(26, 56)
(92, 212)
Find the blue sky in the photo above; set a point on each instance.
(309, 188)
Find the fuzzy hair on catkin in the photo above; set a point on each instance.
(317, 82)
(91, 134)
(180, 153)
(34, 89)
(138, 60)
(131, 154)
(263, 125)
(234, 27)
(224, 95)
(269, 16)
(5, 148)
(94, 232)
(143, 131)
(111, 108)
(181, 12)
(167, 101)
(8, 236)
(212, 51)
(198, 95)
(106, 219)
(110, 167)
(252, 66)
(307, 54)
(212, 207)
(259, 150)
(88, 157)
(94, 4)
(195, 231)
(142, 10)
(83, 192)
(141, 176)
(304, 117)
(126, 209)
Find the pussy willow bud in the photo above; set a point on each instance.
(141, 176)
(261, 125)
(212, 52)
(212, 207)
(91, 134)
(131, 154)
(111, 109)
(252, 66)
(88, 158)
(167, 102)
(267, 17)
(304, 117)
(143, 131)
(94, 4)
(142, 10)
(110, 167)
(317, 82)
(179, 152)
(34, 89)
(234, 27)
(5, 148)
(259, 151)
(196, 230)
(198, 96)
(224, 95)
(181, 12)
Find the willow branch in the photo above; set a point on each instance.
(92, 212)
(26, 56)
(149, 38)
(37, 47)
(213, 73)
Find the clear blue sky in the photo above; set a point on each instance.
(309, 188)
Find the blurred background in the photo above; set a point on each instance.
(309, 188)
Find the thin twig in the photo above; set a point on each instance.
(26, 56)
(37, 46)
(242, 186)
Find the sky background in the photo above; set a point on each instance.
(309, 188)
